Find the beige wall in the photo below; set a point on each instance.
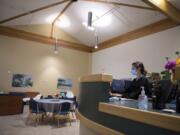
(38, 60)
(151, 50)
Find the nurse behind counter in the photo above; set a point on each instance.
(134, 90)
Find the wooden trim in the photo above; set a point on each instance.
(6, 31)
(97, 78)
(33, 11)
(166, 121)
(96, 127)
(144, 31)
(121, 4)
(61, 2)
(166, 8)
(141, 32)
(58, 17)
(177, 72)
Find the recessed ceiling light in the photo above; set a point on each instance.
(62, 22)
(96, 47)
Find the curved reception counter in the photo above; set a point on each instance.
(98, 116)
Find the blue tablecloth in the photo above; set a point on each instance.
(51, 105)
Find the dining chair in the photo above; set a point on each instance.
(64, 113)
(73, 106)
(35, 111)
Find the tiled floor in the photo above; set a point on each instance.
(15, 125)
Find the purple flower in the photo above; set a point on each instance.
(170, 65)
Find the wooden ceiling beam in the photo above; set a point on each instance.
(59, 15)
(121, 4)
(33, 11)
(141, 32)
(166, 8)
(11, 32)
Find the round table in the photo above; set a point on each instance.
(51, 105)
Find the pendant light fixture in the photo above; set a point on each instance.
(56, 47)
(90, 19)
(89, 23)
(96, 40)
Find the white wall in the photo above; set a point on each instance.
(151, 50)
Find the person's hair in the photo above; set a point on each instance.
(139, 65)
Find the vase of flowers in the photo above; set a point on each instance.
(170, 65)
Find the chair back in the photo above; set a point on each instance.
(72, 99)
(33, 106)
(65, 107)
(167, 88)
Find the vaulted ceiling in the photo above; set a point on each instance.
(109, 20)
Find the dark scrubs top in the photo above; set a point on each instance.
(135, 88)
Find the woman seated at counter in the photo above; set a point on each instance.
(135, 88)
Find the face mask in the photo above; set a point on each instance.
(134, 72)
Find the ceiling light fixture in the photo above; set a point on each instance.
(88, 24)
(97, 21)
(89, 19)
(91, 28)
(96, 40)
(56, 47)
(96, 46)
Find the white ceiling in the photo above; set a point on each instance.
(122, 19)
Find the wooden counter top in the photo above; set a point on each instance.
(170, 122)
(97, 78)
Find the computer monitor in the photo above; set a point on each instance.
(63, 94)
